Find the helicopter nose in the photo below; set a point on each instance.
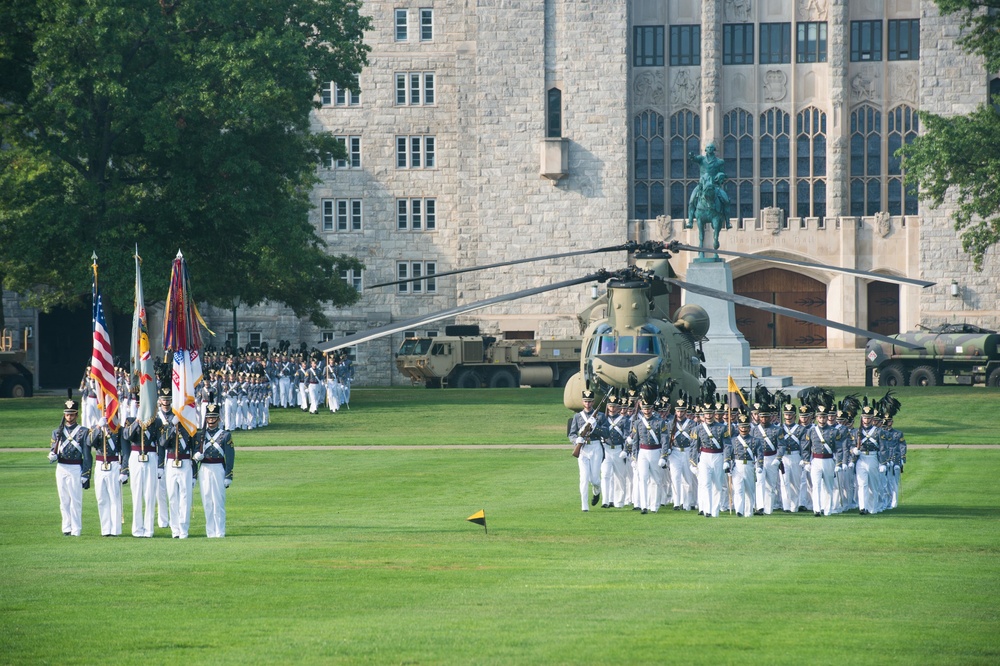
(613, 369)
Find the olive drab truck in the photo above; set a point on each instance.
(16, 380)
(463, 358)
(963, 353)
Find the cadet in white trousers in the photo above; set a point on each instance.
(72, 457)
(106, 446)
(586, 429)
(141, 468)
(645, 434)
(215, 456)
(682, 481)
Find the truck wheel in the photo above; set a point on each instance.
(892, 375)
(994, 378)
(433, 383)
(503, 379)
(14, 387)
(924, 375)
(468, 379)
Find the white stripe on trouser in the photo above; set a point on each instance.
(179, 484)
(590, 471)
(70, 497)
(142, 480)
(681, 479)
(743, 487)
(648, 489)
(109, 497)
(710, 483)
(867, 475)
(613, 477)
(768, 485)
(821, 473)
(211, 482)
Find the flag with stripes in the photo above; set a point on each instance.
(183, 379)
(141, 356)
(102, 367)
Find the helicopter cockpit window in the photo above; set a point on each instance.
(626, 344)
(646, 344)
(606, 344)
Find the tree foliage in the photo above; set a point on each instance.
(178, 125)
(961, 152)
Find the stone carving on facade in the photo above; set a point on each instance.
(665, 226)
(864, 87)
(685, 90)
(649, 91)
(811, 10)
(775, 85)
(738, 11)
(904, 85)
(772, 218)
(883, 223)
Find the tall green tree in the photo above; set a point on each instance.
(178, 124)
(963, 152)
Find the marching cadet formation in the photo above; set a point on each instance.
(648, 452)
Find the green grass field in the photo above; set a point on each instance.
(366, 557)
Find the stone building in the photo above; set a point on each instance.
(506, 129)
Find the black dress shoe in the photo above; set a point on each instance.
(644, 512)
(605, 506)
(65, 533)
(818, 514)
(802, 508)
(595, 499)
(677, 508)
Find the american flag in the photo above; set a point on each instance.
(102, 367)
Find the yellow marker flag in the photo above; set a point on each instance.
(733, 388)
(754, 375)
(479, 517)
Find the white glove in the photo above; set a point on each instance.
(725, 467)
(122, 478)
(175, 420)
(629, 441)
(838, 467)
(622, 454)
(855, 451)
(102, 422)
(805, 467)
(881, 469)
(198, 456)
(895, 468)
(850, 465)
(580, 440)
(52, 456)
(159, 474)
(802, 464)
(227, 482)
(663, 463)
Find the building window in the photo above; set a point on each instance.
(415, 88)
(352, 144)
(255, 339)
(810, 163)
(415, 270)
(737, 44)
(342, 214)
(415, 152)
(326, 336)
(993, 93)
(810, 42)
(426, 24)
(402, 21)
(333, 95)
(647, 131)
(416, 214)
(737, 151)
(775, 43)
(685, 45)
(647, 46)
(866, 161)
(685, 137)
(904, 39)
(553, 113)
(352, 277)
(866, 41)
(903, 128)
(775, 155)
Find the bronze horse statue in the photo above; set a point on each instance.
(709, 206)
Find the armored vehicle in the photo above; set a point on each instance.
(16, 380)
(463, 358)
(967, 353)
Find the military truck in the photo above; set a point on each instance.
(464, 358)
(967, 353)
(16, 380)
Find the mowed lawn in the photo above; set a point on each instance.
(365, 556)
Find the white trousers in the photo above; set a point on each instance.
(744, 482)
(893, 477)
(647, 493)
(109, 497)
(70, 497)
(589, 463)
(284, 391)
(768, 485)
(314, 396)
(229, 412)
(866, 471)
(179, 484)
(332, 395)
(211, 483)
(710, 482)
(682, 483)
(791, 482)
(613, 477)
(822, 476)
(142, 481)
(162, 503)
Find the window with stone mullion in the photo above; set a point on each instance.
(810, 163)
(775, 156)
(866, 172)
(685, 137)
(903, 126)
(648, 166)
(738, 153)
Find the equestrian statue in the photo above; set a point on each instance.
(709, 203)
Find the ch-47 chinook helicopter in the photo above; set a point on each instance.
(637, 343)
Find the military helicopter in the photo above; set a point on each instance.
(637, 343)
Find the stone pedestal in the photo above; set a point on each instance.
(725, 346)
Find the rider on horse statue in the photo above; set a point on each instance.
(709, 203)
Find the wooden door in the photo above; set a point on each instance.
(883, 308)
(787, 289)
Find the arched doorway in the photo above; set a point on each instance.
(790, 290)
(883, 308)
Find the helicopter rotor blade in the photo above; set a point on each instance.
(787, 312)
(576, 253)
(396, 327)
(807, 264)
